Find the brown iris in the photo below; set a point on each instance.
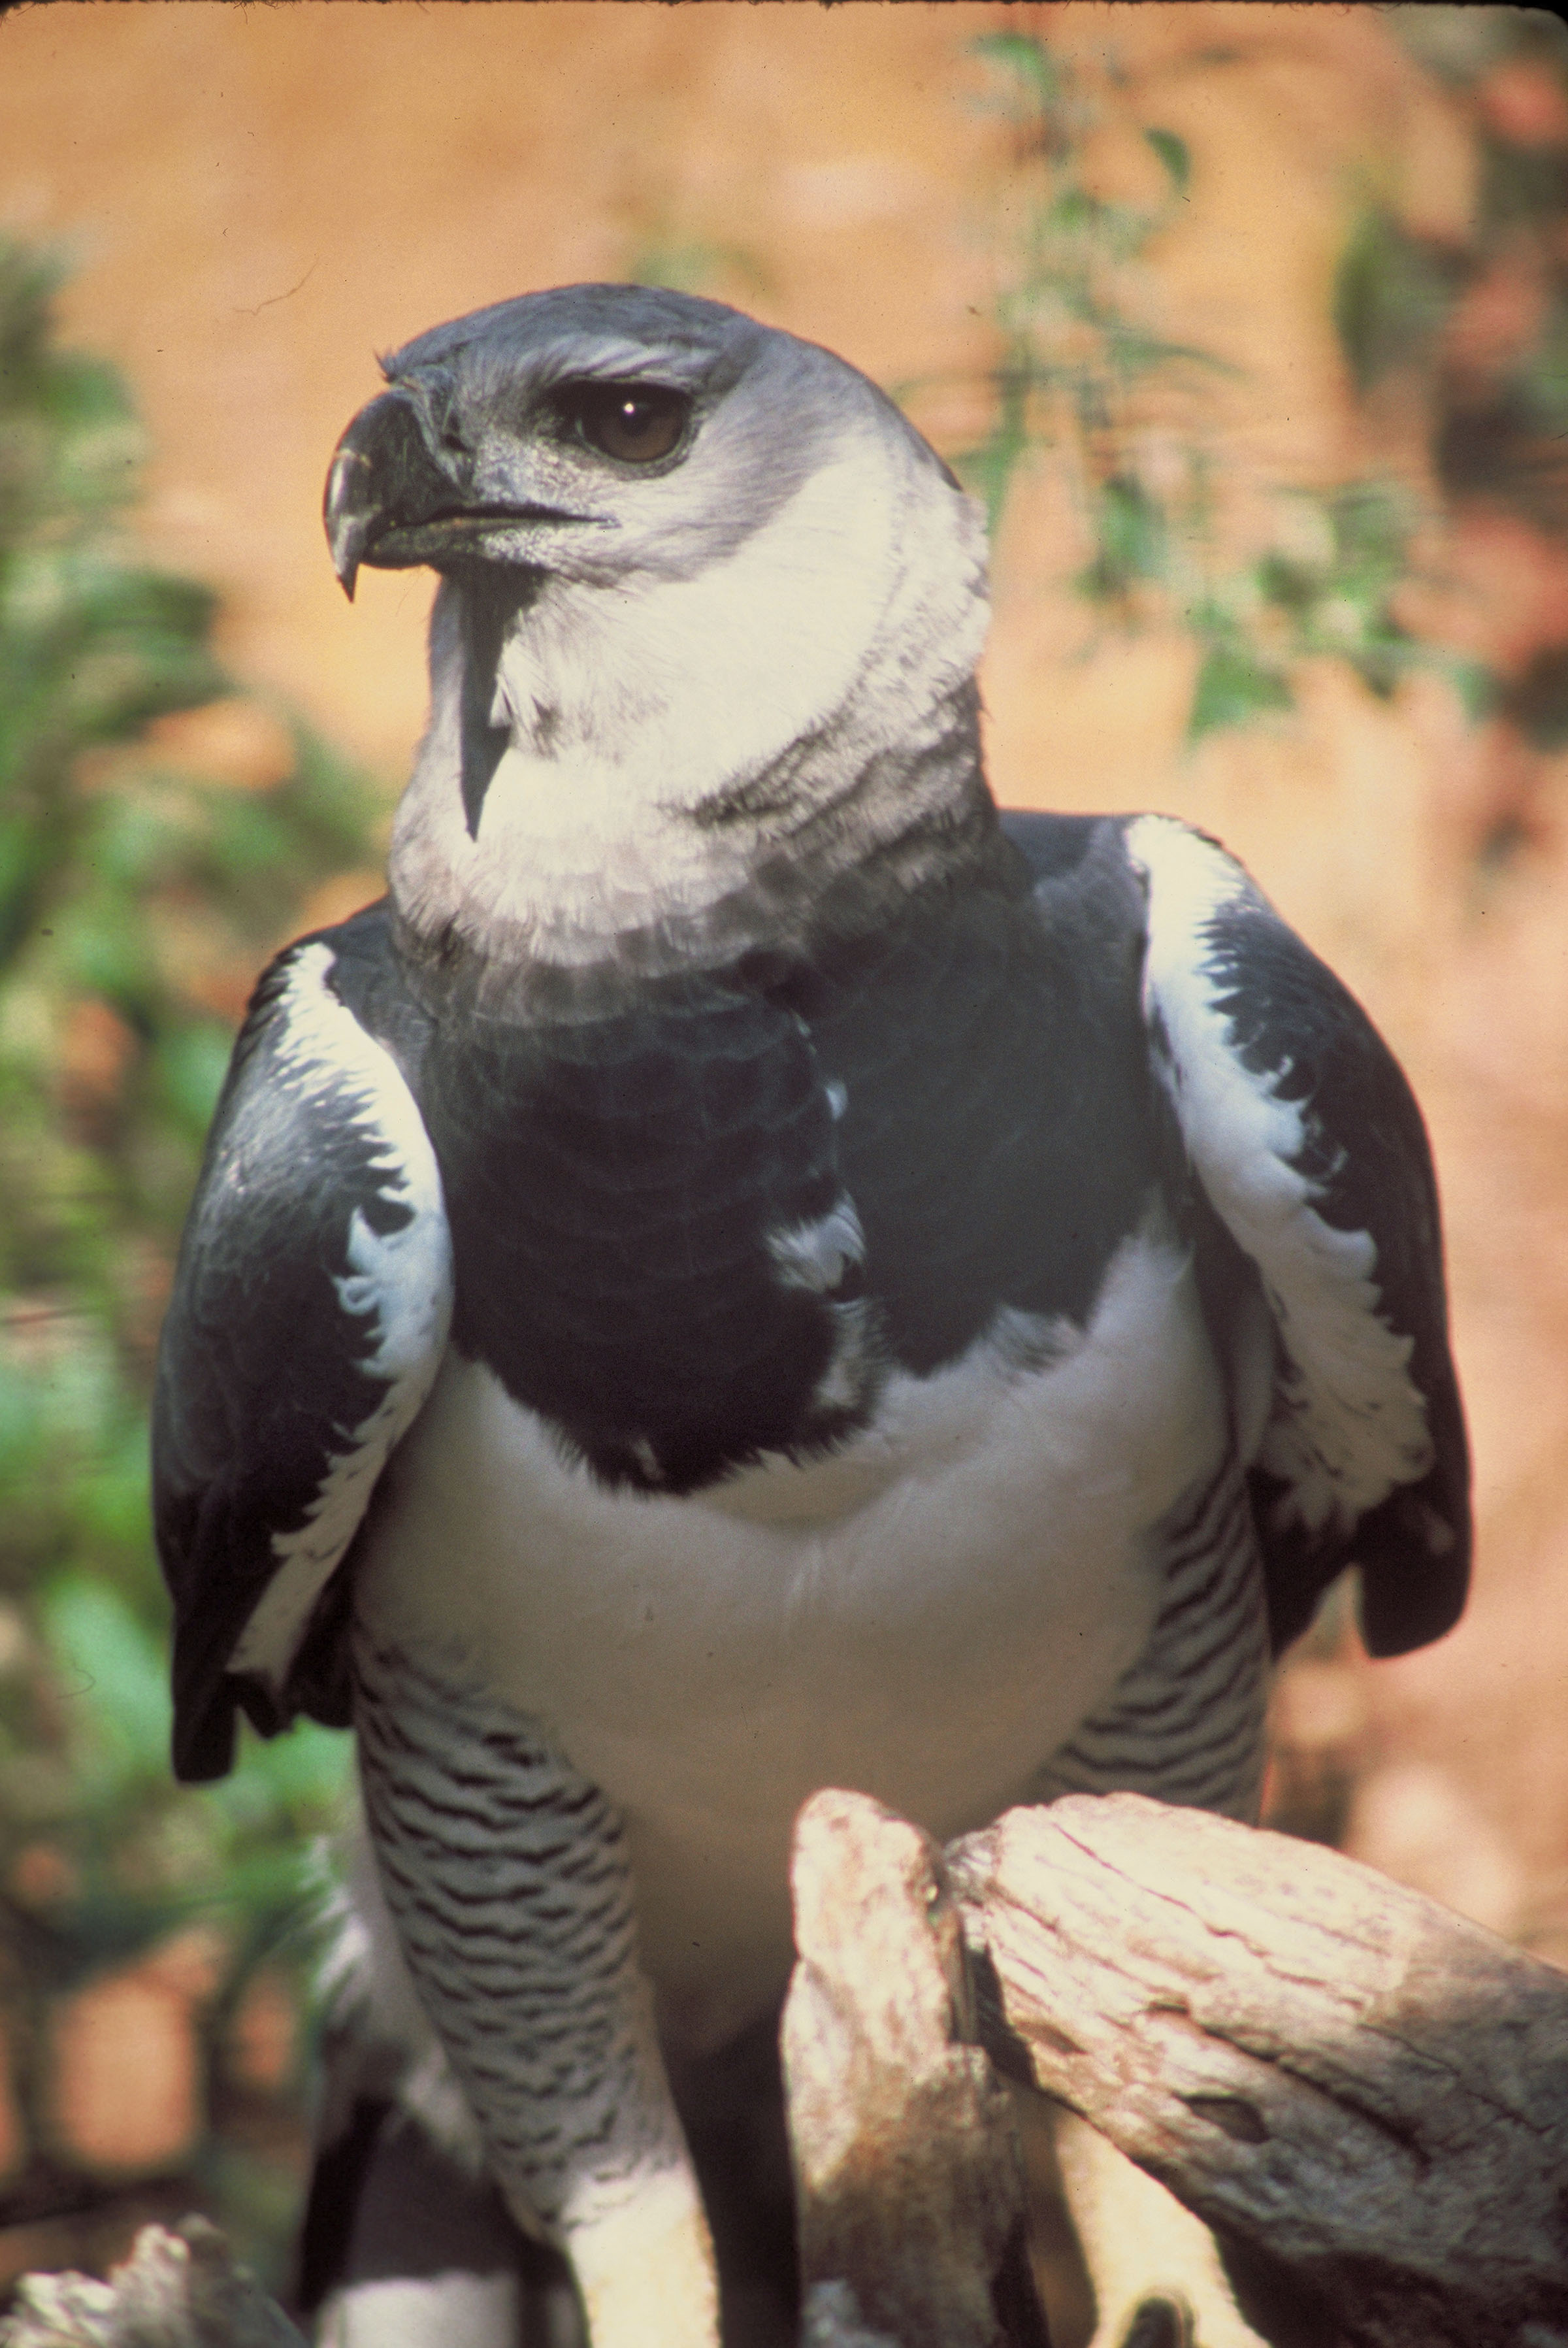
(637, 423)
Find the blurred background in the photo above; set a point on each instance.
(1250, 325)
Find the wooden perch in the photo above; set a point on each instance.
(1344, 2080)
(908, 2178)
(1364, 2096)
(176, 2291)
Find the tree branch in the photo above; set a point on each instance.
(1337, 2074)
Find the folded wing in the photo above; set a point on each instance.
(1304, 1141)
(308, 1320)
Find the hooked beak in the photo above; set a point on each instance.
(390, 502)
(382, 477)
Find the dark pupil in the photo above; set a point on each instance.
(635, 426)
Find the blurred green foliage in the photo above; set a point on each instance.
(138, 894)
(1476, 330)
(691, 264)
(1395, 292)
(1121, 408)
(1071, 347)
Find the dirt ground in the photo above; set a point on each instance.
(259, 200)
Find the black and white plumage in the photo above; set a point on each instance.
(748, 1269)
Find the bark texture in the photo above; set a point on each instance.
(909, 2180)
(1365, 2096)
(176, 2291)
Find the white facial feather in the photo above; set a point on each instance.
(1347, 1423)
(857, 601)
(399, 1284)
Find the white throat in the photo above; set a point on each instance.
(857, 606)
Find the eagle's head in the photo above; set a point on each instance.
(706, 633)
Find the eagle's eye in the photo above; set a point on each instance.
(637, 422)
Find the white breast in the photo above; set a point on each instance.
(926, 1615)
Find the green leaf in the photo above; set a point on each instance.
(1390, 296)
(1381, 667)
(305, 1771)
(115, 1507)
(337, 811)
(1233, 688)
(113, 1676)
(191, 1064)
(21, 1425)
(136, 840)
(85, 395)
(1022, 54)
(1173, 153)
(1132, 531)
(1291, 586)
(250, 836)
(1480, 689)
(1076, 212)
(103, 946)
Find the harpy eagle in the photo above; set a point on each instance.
(750, 1270)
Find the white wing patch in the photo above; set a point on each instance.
(815, 1256)
(401, 1283)
(1348, 1422)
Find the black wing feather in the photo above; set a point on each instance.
(1252, 1037)
(275, 1369)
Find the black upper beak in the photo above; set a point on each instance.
(381, 478)
(392, 502)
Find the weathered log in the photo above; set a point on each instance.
(176, 2291)
(909, 2182)
(1365, 2098)
(1354, 2088)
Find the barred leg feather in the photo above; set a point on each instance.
(506, 1875)
(1186, 1722)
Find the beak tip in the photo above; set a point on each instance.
(348, 519)
(347, 534)
(382, 475)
